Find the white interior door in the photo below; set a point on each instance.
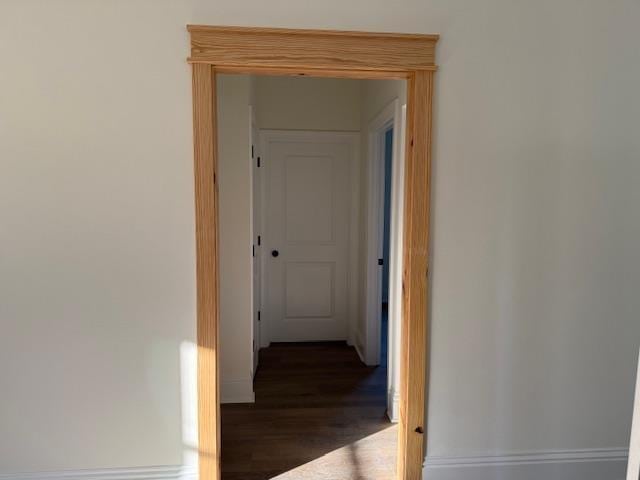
(306, 244)
(256, 223)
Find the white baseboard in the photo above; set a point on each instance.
(602, 464)
(237, 391)
(360, 354)
(138, 473)
(393, 405)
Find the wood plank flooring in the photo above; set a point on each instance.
(319, 415)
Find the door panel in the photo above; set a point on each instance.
(309, 289)
(308, 188)
(307, 212)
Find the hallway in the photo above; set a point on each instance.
(319, 415)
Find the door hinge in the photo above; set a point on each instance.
(253, 250)
(252, 151)
(258, 315)
(380, 261)
(259, 240)
(258, 162)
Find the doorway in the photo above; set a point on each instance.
(319, 53)
(305, 145)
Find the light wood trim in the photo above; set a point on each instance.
(412, 428)
(314, 72)
(316, 49)
(306, 32)
(206, 206)
(332, 54)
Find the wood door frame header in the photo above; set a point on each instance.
(327, 53)
(320, 53)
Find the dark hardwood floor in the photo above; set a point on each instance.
(319, 414)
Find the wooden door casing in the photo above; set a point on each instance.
(325, 53)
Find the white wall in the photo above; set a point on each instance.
(304, 103)
(535, 264)
(97, 282)
(234, 147)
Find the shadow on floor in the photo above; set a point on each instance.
(319, 414)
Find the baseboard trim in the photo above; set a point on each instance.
(588, 455)
(587, 464)
(172, 472)
(590, 464)
(393, 405)
(360, 354)
(237, 391)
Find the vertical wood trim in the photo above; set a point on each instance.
(412, 428)
(206, 207)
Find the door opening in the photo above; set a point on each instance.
(317, 53)
(307, 224)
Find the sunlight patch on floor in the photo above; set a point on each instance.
(371, 458)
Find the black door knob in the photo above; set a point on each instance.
(275, 253)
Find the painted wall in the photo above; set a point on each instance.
(234, 146)
(97, 276)
(535, 265)
(303, 103)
